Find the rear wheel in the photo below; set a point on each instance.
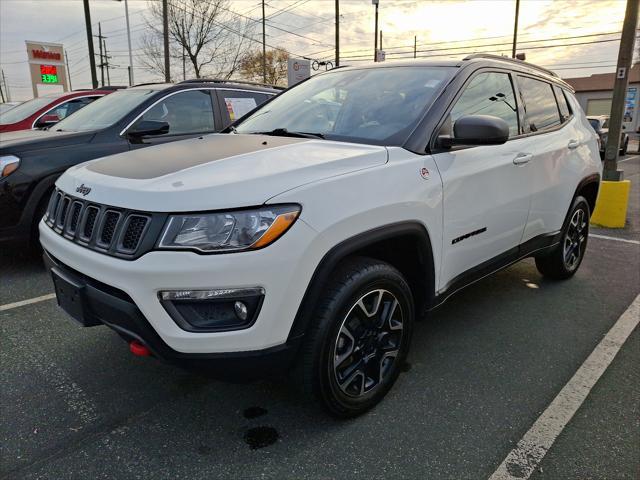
(625, 147)
(566, 257)
(360, 337)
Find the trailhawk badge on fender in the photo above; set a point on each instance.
(424, 173)
(83, 190)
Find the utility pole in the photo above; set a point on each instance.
(1, 94)
(184, 65)
(264, 47)
(6, 87)
(380, 40)
(165, 32)
(92, 59)
(99, 37)
(66, 60)
(337, 33)
(375, 34)
(625, 55)
(415, 46)
(515, 30)
(106, 60)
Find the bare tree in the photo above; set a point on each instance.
(276, 63)
(210, 34)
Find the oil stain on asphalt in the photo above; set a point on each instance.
(260, 437)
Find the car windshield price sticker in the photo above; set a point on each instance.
(238, 107)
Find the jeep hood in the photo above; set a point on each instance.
(215, 171)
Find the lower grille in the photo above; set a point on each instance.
(110, 230)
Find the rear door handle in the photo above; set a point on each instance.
(522, 158)
(573, 144)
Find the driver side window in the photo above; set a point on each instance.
(185, 112)
(488, 93)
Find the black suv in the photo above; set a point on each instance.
(31, 161)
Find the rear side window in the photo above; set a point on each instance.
(237, 103)
(563, 106)
(488, 93)
(539, 104)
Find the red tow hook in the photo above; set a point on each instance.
(139, 349)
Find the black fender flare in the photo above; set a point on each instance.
(350, 246)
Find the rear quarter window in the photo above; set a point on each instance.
(539, 101)
(563, 105)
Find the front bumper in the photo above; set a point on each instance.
(283, 270)
(114, 308)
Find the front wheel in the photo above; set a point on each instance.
(359, 338)
(563, 261)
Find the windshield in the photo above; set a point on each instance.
(371, 105)
(105, 111)
(24, 110)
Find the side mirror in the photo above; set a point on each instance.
(148, 127)
(47, 121)
(477, 130)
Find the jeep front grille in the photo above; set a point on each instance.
(110, 230)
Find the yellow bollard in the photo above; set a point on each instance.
(611, 207)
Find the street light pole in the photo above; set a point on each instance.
(625, 55)
(264, 47)
(337, 33)
(515, 30)
(126, 14)
(165, 30)
(375, 33)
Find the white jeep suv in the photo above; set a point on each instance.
(309, 238)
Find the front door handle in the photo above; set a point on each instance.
(573, 144)
(522, 158)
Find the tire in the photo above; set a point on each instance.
(625, 147)
(41, 209)
(357, 342)
(565, 259)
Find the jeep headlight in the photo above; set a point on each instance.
(229, 231)
(8, 165)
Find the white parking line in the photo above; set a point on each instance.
(628, 158)
(605, 237)
(29, 301)
(531, 449)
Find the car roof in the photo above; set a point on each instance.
(209, 83)
(477, 60)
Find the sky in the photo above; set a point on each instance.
(584, 33)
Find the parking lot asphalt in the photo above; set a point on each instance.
(483, 367)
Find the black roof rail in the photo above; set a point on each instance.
(241, 82)
(111, 87)
(148, 83)
(490, 56)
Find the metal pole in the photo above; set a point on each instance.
(165, 31)
(337, 33)
(625, 55)
(375, 36)
(6, 87)
(101, 59)
(126, 14)
(106, 60)
(1, 94)
(515, 30)
(92, 58)
(66, 60)
(264, 47)
(415, 46)
(380, 40)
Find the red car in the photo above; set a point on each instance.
(47, 110)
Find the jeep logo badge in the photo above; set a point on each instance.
(83, 190)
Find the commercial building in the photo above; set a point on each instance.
(596, 92)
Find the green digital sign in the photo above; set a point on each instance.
(49, 78)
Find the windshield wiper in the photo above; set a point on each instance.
(283, 132)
